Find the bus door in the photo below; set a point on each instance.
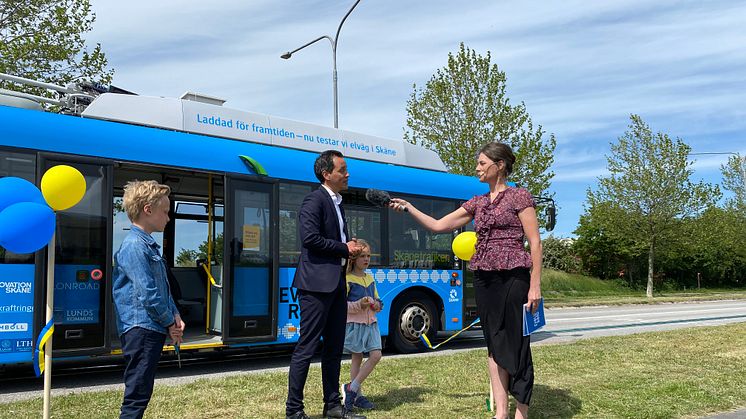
(82, 272)
(250, 286)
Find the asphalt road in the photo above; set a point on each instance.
(563, 325)
(568, 324)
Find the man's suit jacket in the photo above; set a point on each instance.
(322, 249)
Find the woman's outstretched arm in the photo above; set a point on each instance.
(449, 222)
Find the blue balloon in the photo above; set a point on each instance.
(14, 190)
(26, 227)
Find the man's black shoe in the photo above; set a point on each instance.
(298, 415)
(338, 412)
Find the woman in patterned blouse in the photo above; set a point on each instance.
(506, 276)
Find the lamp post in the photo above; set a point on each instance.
(333, 42)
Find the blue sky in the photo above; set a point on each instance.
(580, 67)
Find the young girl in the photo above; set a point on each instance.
(362, 328)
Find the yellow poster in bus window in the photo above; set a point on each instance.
(251, 237)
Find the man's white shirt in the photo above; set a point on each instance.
(337, 199)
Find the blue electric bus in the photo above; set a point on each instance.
(237, 181)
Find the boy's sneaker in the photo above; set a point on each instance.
(350, 397)
(362, 402)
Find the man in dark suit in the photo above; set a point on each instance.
(320, 280)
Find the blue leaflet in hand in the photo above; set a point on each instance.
(535, 321)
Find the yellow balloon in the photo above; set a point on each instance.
(62, 186)
(464, 245)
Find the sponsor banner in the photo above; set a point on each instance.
(218, 121)
(16, 312)
(288, 309)
(77, 295)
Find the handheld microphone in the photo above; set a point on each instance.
(379, 198)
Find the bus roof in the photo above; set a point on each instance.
(133, 143)
(202, 114)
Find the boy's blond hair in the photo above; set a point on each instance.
(351, 261)
(139, 193)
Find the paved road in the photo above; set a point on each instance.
(568, 324)
(563, 325)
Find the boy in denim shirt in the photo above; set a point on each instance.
(146, 312)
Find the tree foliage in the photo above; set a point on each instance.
(714, 246)
(734, 180)
(43, 40)
(710, 247)
(463, 106)
(189, 257)
(558, 254)
(648, 191)
(602, 253)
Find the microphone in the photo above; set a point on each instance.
(379, 198)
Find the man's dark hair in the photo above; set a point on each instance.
(325, 163)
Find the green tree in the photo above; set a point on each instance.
(734, 180)
(463, 106)
(43, 40)
(189, 257)
(649, 184)
(603, 254)
(558, 254)
(714, 248)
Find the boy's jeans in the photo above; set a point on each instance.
(142, 350)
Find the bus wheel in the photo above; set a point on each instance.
(413, 314)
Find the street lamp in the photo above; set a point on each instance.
(333, 42)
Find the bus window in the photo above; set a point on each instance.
(190, 234)
(22, 166)
(17, 279)
(365, 223)
(412, 246)
(291, 197)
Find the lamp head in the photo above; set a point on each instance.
(286, 55)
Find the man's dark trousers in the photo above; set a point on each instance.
(322, 315)
(142, 351)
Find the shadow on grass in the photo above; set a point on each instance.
(541, 335)
(548, 402)
(391, 399)
(397, 397)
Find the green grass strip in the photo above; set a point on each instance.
(682, 373)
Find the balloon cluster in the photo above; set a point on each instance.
(27, 220)
(464, 245)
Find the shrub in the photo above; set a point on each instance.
(558, 254)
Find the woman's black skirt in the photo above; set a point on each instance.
(500, 298)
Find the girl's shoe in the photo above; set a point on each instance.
(363, 403)
(350, 397)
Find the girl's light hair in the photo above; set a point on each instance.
(139, 193)
(351, 261)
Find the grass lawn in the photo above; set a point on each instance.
(682, 373)
(561, 289)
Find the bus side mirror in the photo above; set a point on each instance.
(551, 214)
